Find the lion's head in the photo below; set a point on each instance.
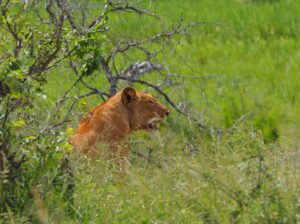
(145, 112)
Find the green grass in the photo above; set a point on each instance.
(179, 185)
(246, 64)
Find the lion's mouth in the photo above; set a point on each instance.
(153, 124)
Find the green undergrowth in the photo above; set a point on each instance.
(233, 179)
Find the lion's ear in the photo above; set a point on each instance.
(128, 95)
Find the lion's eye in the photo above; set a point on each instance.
(151, 101)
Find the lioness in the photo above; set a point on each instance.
(104, 131)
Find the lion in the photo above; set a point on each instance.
(104, 131)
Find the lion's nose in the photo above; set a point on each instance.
(167, 112)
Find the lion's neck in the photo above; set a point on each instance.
(118, 115)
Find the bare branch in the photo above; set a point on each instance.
(52, 16)
(66, 10)
(136, 70)
(104, 96)
(111, 78)
(129, 8)
(99, 19)
(127, 45)
(83, 17)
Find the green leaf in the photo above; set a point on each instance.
(18, 123)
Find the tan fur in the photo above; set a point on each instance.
(104, 131)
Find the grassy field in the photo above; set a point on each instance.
(243, 83)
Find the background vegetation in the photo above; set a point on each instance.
(231, 156)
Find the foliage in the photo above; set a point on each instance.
(227, 154)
